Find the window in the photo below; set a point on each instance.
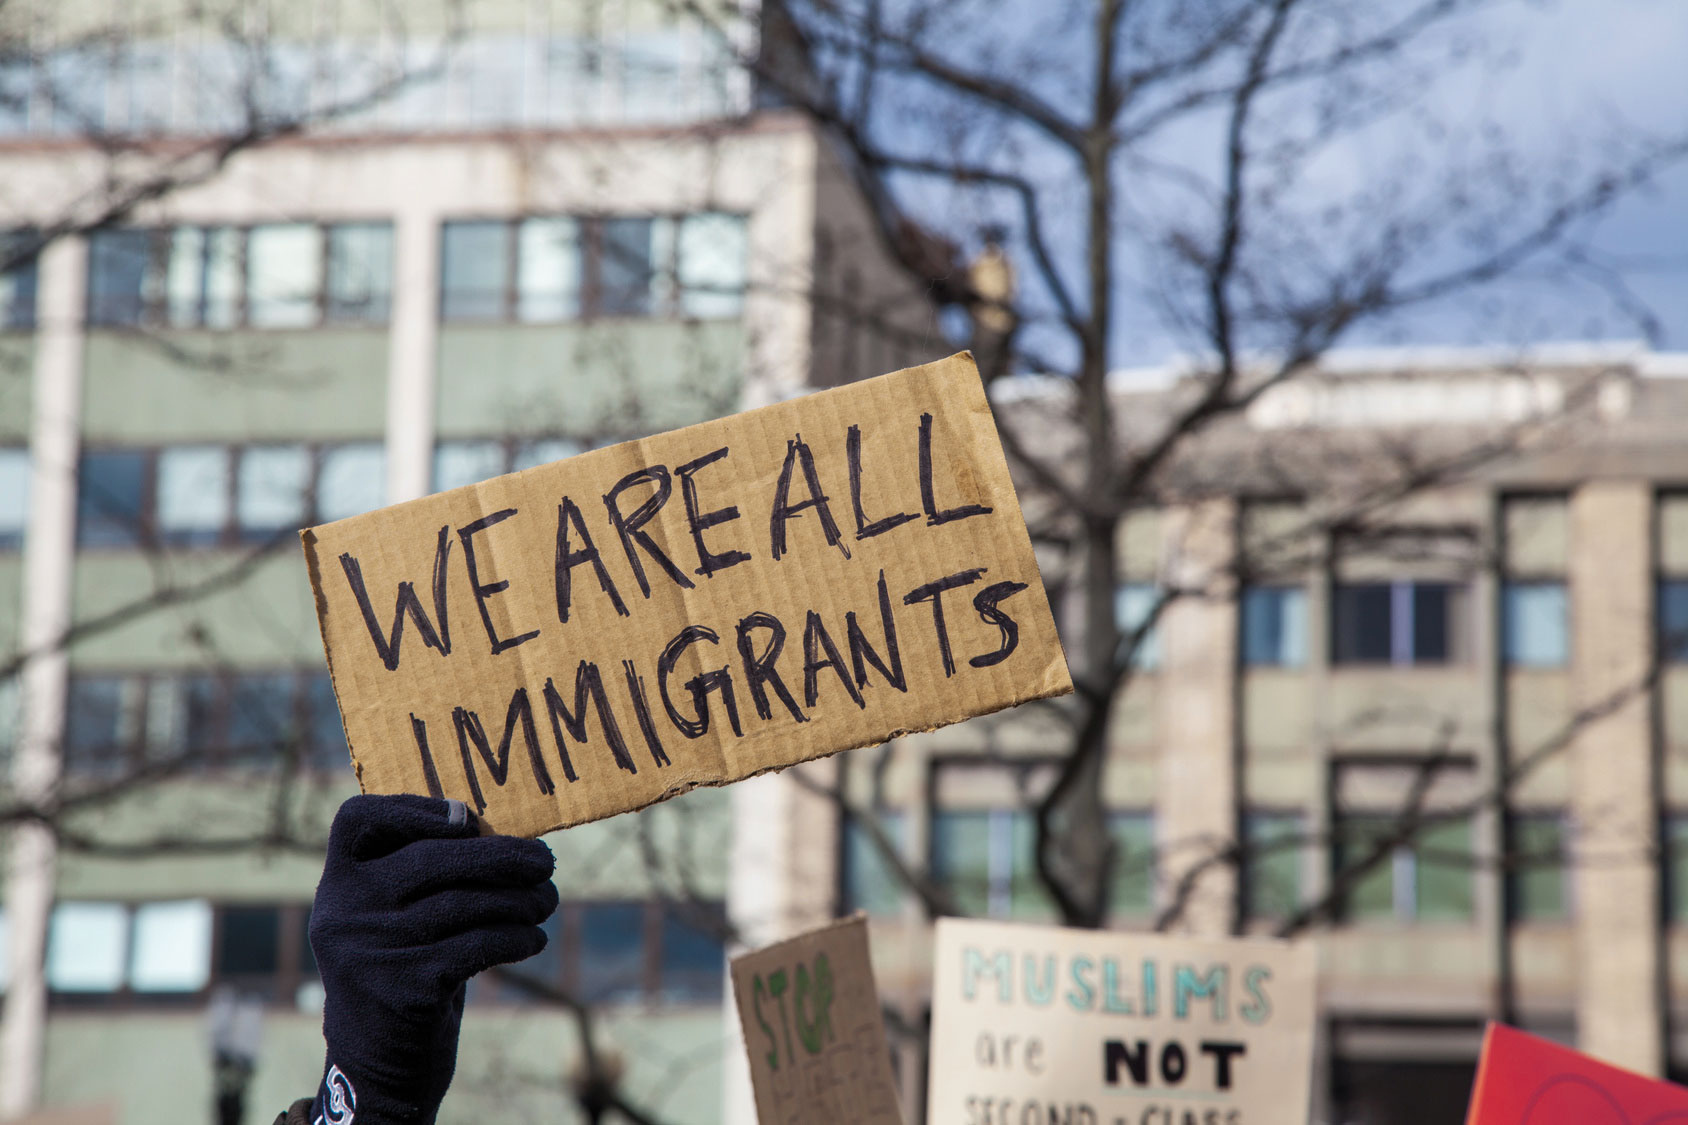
(1275, 842)
(360, 273)
(693, 957)
(212, 495)
(711, 265)
(87, 946)
(984, 857)
(1535, 624)
(171, 951)
(1400, 623)
(1133, 891)
(1673, 620)
(1134, 602)
(193, 494)
(19, 258)
(1427, 878)
(1274, 626)
(272, 491)
(351, 480)
(263, 950)
(611, 951)
(1675, 838)
(14, 497)
(283, 275)
(257, 720)
(111, 498)
(457, 463)
(1538, 877)
(548, 269)
(870, 882)
(624, 952)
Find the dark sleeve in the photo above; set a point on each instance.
(299, 1113)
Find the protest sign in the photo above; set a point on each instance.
(1087, 1027)
(1523, 1080)
(588, 637)
(813, 1029)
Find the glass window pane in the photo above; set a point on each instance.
(18, 283)
(118, 262)
(548, 270)
(261, 718)
(1673, 620)
(98, 725)
(626, 271)
(360, 273)
(193, 493)
(474, 270)
(1444, 872)
(184, 277)
(272, 489)
(1133, 603)
(543, 452)
(1361, 624)
(202, 713)
(457, 463)
(1537, 882)
(250, 942)
(283, 275)
(86, 947)
(1535, 621)
(611, 964)
(961, 857)
(870, 882)
(353, 480)
(712, 265)
(14, 496)
(327, 736)
(1432, 623)
(693, 956)
(172, 947)
(1027, 897)
(1372, 895)
(1274, 626)
(222, 277)
(110, 499)
(1273, 863)
(1133, 891)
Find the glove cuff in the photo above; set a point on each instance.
(350, 1099)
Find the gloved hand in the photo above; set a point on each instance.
(412, 903)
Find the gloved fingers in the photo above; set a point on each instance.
(370, 826)
(449, 913)
(480, 949)
(424, 866)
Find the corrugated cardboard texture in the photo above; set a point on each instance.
(588, 637)
(814, 1030)
(1096, 1027)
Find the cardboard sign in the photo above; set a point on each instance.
(1522, 1080)
(814, 1031)
(588, 637)
(1087, 1027)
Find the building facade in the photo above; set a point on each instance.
(497, 239)
(1420, 648)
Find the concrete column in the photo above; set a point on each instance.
(413, 353)
(49, 558)
(1197, 809)
(1612, 801)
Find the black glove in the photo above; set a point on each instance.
(412, 904)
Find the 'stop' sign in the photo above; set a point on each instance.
(1086, 1027)
(591, 636)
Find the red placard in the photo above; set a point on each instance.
(1522, 1080)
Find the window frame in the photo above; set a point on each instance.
(153, 308)
(666, 300)
(1403, 609)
